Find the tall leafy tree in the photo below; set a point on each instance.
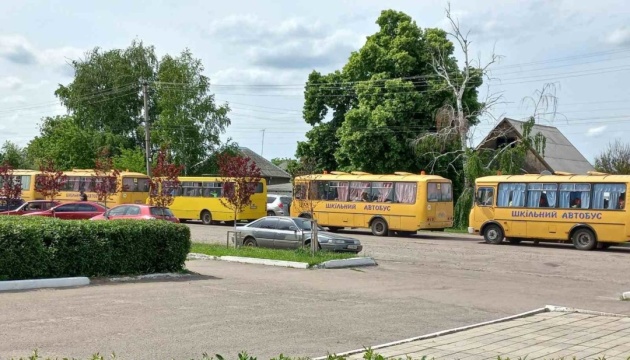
(384, 97)
(615, 159)
(188, 118)
(11, 154)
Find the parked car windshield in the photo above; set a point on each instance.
(305, 224)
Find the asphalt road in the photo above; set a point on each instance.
(425, 283)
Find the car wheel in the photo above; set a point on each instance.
(584, 239)
(271, 213)
(493, 234)
(379, 227)
(206, 217)
(250, 242)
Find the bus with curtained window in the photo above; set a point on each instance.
(401, 202)
(200, 198)
(134, 186)
(585, 210)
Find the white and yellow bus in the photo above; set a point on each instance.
(135, 186)
(586, 210)
(401, 202)
(199, 198)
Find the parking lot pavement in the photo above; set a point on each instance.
(422, 285)
(547, 335)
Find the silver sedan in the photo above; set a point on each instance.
(292, 233)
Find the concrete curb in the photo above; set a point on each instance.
(440, 333)
(554, 308)
(197, 256)
(347, 263)
(14, 285)
(149, 277)
(625, 296)
(246, 260)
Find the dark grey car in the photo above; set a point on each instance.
(292, 233)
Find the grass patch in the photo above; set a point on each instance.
(298, 255)
(456, 231)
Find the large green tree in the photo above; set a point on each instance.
(386, 96)
(12, 154)
(105, 101)
(615, 159)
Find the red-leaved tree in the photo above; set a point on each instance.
(164, 180)
(51, 180)
(241, 177)
(11, 190)
(105, 177)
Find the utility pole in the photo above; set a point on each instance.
(147, 135)
(262, 147)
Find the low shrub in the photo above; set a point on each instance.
(36, 247)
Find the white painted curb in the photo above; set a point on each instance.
(197, 256)
(347, 263)
(626, 295)
(246, 260)
(14, 285)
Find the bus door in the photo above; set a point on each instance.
(485, 201)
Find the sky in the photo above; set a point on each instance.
(258, 56)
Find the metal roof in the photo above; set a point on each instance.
(267, 168)
(560, 154)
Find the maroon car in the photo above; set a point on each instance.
(137, 212)
(31, 207)
(80, 210)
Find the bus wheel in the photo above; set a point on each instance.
(333, 229)
(584, 239)
(514, 241)
(206, 217)
(379, 227)
(493, 234)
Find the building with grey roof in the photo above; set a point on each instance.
(559, 155)
(270, 172)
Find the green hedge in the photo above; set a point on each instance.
(34, 247)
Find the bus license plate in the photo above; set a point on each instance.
(352, 247)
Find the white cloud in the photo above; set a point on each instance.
(293, 43)
(18, 50)
(620, 36)
(11, 83)
(11, 99)
(594, 131)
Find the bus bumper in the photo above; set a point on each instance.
(471, 230)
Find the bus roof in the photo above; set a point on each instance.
(372, 177)
(76, 172)
(559, 178)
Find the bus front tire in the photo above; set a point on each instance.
(379, 227)
(206, 217)
(493, 234)
(584, 239)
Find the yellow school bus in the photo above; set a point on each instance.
(27, 181)
(199, 198)
(585, 210)
(401, 202)
(135, 187)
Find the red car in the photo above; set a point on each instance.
(32, 206)
(80, 210)
(137, 212)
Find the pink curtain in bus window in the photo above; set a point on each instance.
(405, 193)
(357, 190)
(342, 191)
(383, 193)
(76, 185)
